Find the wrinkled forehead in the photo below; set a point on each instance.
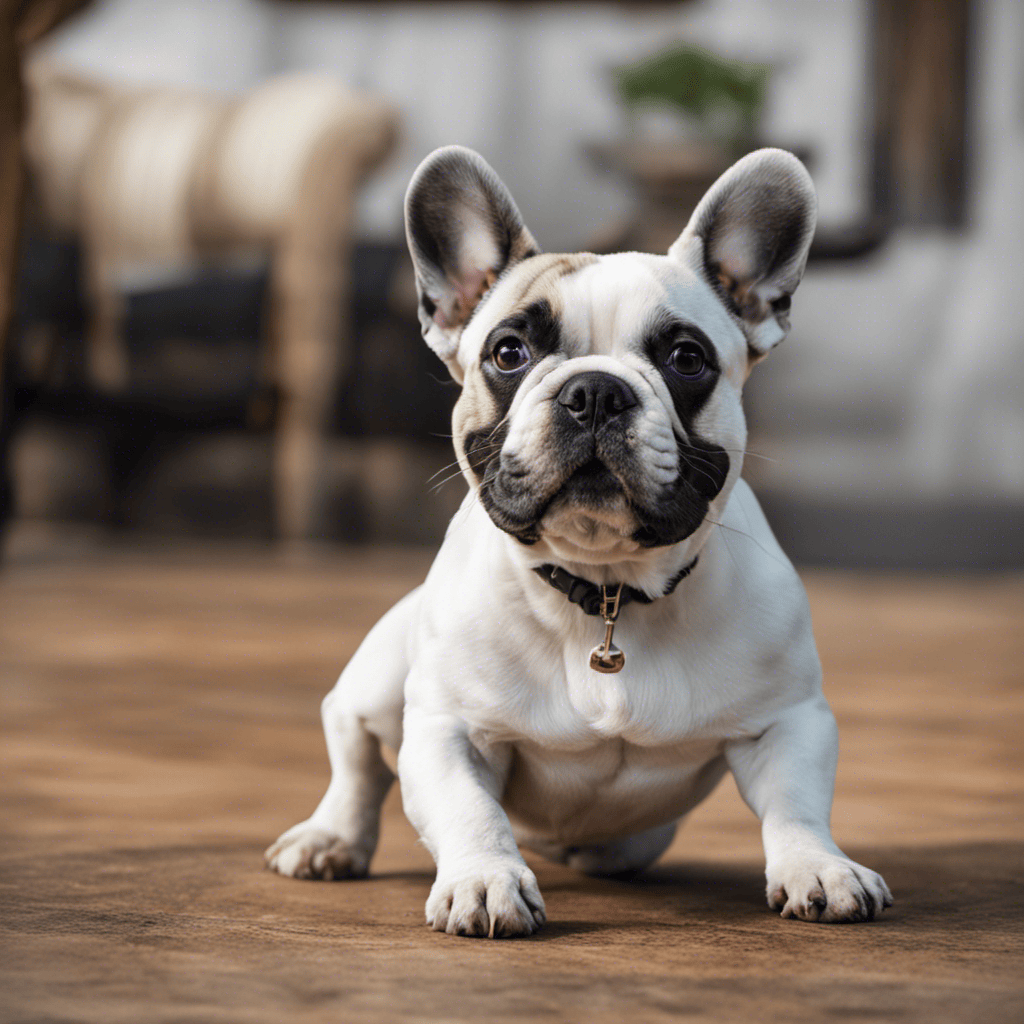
(605, 305)
(608, 307)
(533, 280)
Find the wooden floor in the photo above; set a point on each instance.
(160, 726)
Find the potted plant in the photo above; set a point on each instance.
(689, 114)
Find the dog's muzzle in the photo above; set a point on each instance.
(594, 465)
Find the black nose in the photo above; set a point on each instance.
(594, 398)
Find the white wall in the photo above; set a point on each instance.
(966, 425)
(526, 85)
(905, 372)
(221, 45)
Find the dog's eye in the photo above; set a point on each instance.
(687, 360)
(510, 354)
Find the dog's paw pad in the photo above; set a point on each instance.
(495, 901)
(828, 889)
(308, 851)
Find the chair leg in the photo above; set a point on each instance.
(11, 189)
(298, 457)
(6, 431)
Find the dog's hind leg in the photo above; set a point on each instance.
(364, 708)
(617, 857)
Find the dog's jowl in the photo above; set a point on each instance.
(601, 433)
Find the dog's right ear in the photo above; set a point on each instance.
(464, 230)
(749, 238)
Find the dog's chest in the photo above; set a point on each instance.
(669, 692)
(606, 753)
(606, 704)
(610, 788)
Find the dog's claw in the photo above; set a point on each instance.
(831, 890)
(307, 851)
(496, 901)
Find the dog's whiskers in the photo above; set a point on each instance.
(447, 479)
(745, 452)
(457, 472)
(443, 469)
(484, 449)
(742, 533)
(713, 480)
(758, 455)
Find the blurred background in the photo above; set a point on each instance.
(209, 317)
(224, 453)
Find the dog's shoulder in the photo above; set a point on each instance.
(751, 546)
(466, 588)
(765, 593)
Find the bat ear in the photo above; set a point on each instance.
(464, 231)
(749, 238)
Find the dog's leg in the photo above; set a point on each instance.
(451, 791)
(617, 857)
(365, 707)
(786, 776)
(339, 838)
(622, 856)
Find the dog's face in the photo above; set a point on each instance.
(600, 413)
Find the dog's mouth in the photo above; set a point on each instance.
(594, 506)
(594, 491)
(592, 484)
(591, 511)
(590, 500)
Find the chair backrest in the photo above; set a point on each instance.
(157, 178)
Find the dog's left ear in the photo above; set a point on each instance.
(463, 229)
(749, 239)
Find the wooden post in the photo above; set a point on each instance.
(22, 22)
(11, 186)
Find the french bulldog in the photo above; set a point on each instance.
(610, 625)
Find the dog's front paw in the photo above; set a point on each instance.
(497, 899)
(827, 888)
(308, 851)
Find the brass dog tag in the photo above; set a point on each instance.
(606, 657)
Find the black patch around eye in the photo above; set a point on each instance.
(688, 395)
(537, 326)
(536, 323)
(539, 329)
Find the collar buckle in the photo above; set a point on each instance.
(606, 657)
(605, 600)
(610, 605)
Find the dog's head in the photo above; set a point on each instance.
(600, 416)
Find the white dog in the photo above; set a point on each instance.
(601, 432)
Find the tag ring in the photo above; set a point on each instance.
(606, 657)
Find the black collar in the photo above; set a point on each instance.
(589, 595)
